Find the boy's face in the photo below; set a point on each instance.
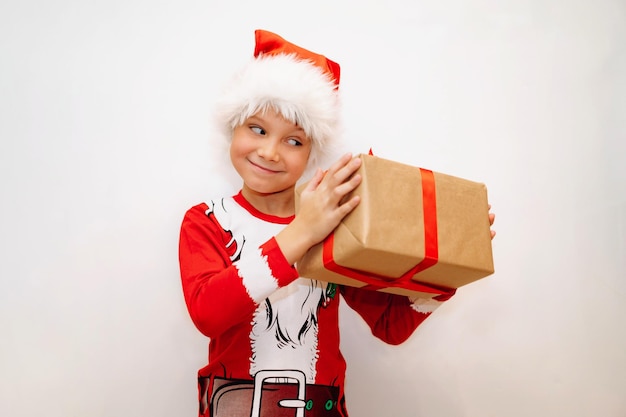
(269, 153)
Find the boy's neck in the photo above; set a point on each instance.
(280, 204)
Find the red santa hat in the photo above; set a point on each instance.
(299, 84)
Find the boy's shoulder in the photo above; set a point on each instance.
(211, 205)
(223, 210)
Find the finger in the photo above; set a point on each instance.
(492, 218)
(341, 162)
(344, 172)
(493, 234)
(346, 187)
(348, 206)
(316, 180)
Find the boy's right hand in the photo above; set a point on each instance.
(322, 207)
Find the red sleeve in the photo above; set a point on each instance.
(215, 291)
(392, 318)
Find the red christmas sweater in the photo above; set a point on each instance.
(259, 314)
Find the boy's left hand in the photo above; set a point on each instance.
(492, 219)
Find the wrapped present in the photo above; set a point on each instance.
(415, 232)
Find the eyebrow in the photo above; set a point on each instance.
(254, 119)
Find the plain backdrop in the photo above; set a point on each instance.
(106, 140)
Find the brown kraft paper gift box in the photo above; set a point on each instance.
(415, 232)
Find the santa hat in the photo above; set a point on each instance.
(300, 85)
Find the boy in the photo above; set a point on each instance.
(274, 337)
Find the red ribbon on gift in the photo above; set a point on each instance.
(431, 249)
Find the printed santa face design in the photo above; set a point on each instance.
(279, 338)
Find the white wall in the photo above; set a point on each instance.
(105, 142)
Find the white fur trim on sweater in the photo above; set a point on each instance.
(256, 275)
(426, 306)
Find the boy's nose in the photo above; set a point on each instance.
(269, 150)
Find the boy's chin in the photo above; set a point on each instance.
(269, 191)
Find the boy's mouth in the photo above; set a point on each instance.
(263, 168)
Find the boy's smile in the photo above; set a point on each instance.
(270, 154)
(263, 169)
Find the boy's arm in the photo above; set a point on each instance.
(217, 293)
(392, 318)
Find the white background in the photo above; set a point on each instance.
(106, 141)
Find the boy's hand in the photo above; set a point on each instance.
(322, 207)
(321, 202)
(492, 219)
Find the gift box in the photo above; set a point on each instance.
(415, 232)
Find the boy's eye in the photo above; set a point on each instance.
(294, 142)
(258, 130)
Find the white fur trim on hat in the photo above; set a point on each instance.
(297, 89)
